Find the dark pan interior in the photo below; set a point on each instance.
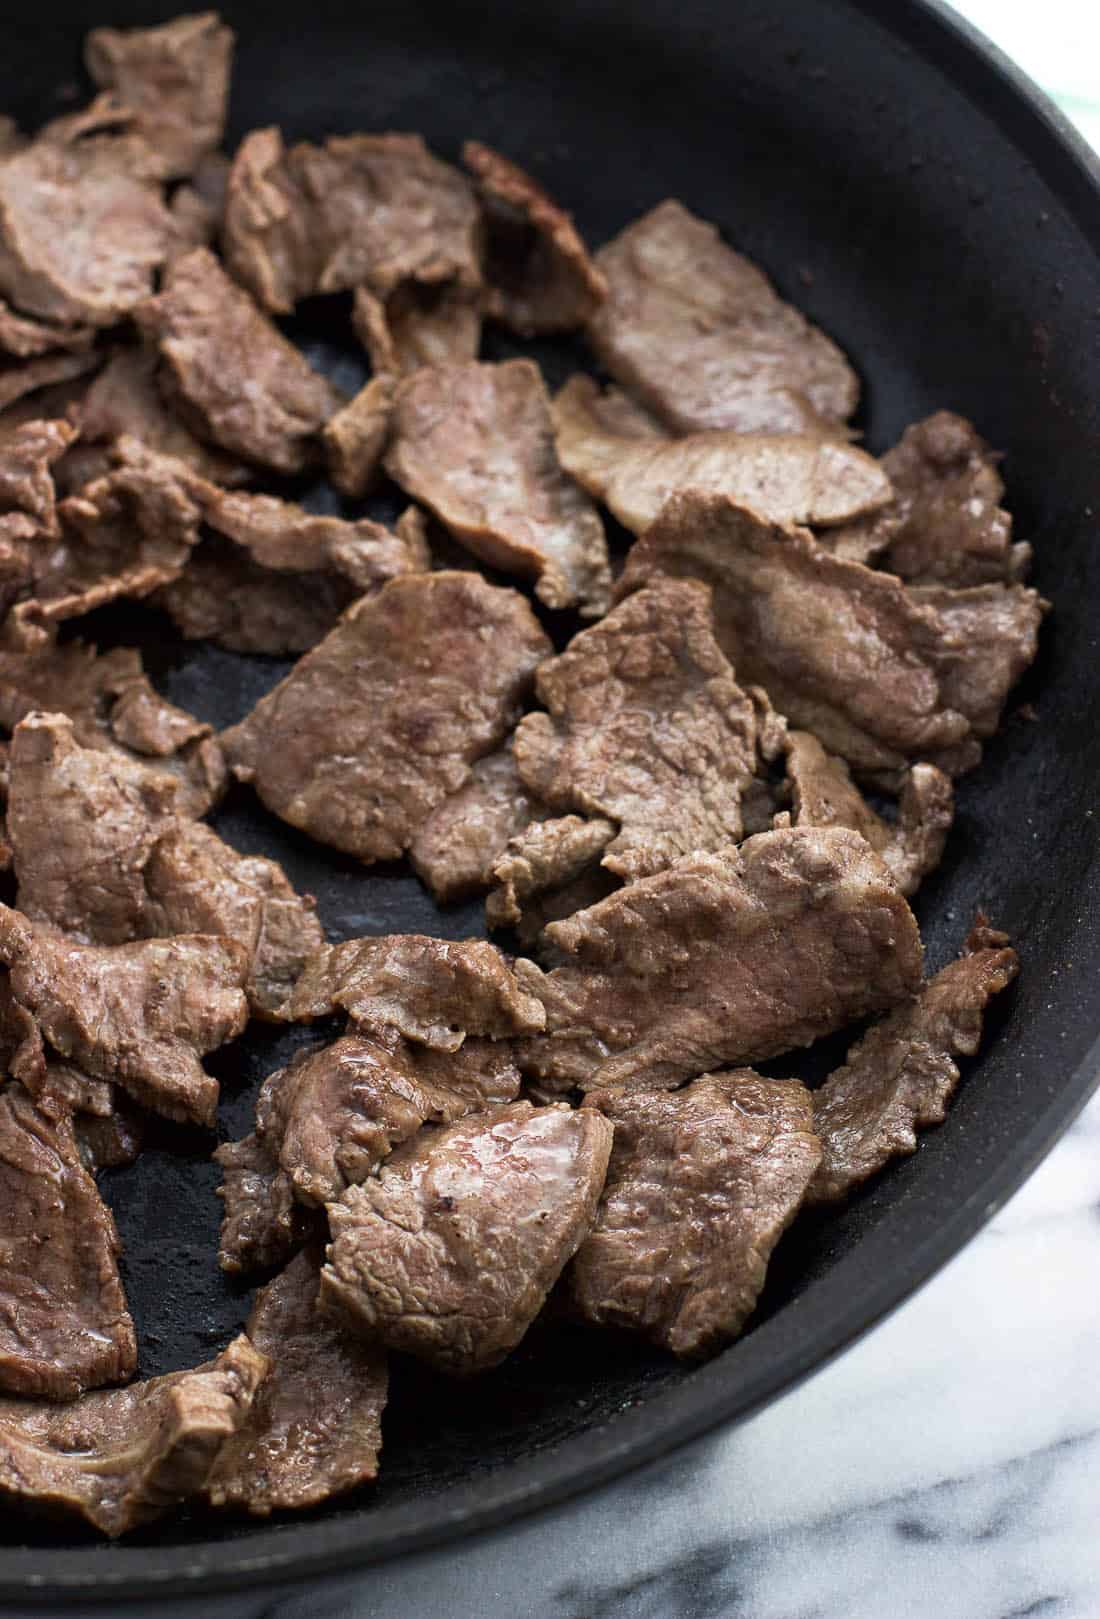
(912, 202)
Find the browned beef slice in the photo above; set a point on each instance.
(356, 437)
(879, 673)
(724, 958)
(361, 210)
(64, 1326)
(27, 377)
(648, 727)
(456, 847)
(225, 597)
(824, 794)
(262, 1225)
(140, 1015)
(900, 1077)
(540, 276)
(27, 457)
(426, 677)
(420, 323)
(198, 319)
(174, 78)
(114, 708)
(83, 226)
(432, 991)
(787, 477)
(198, 208)
(24, 337)
(120, 1457)
(700, 333)
(946, 524)
(449, 1253)
(112, 1140)
(475, 444)
(546, 857)
(314, 1429)
(701, 1185)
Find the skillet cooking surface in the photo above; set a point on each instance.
(953, 252)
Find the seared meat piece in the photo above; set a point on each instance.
(64, 1326)
(475, 444)
(701, 1185)
(262, 1225)
(27, 377)
(648, 727)
(548, 857)
(432, 991)
(900, 1077)
(125, 401)
(120, 1457)
(946, 524)
(198, 208)
(83, 226)
(114, 708)
(25, 338)
(449, 1253)
(356, 437)
(314, 1429)
(112, 1140)
(371, 211)
(174, 78)
(824, 794)
(225, 597)
(420, 323)
(113, 859)
(787, 477)
(455, 849)
(723, 958)
(198, 319)
(28, 498)
(139, 1015)
(880, 674)
(540, 276)
(701, 335)
(425, 678)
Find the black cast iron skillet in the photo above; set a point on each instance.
(921, 202)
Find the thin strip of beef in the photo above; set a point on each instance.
(198, 208)
(121, 1457)
(356, 438)
(371, 211)
(224, 596)
(314, 1430)
(647, 727)
(432, 991)
(384, 719)
(455, 849)
(701, 1185)
(262, 1225)
(549, 857)
(450, 1252)
(786, 477)
(174, 79)
(28, 501)
(475, 444)
(24, 378)
(900, 1077)
(140, 1015)
(64, 1325)
(112, 1140)
(880, 674)
(722, 959)
(701, 335)
(541, 279)
(420, 323)
(198, 318)
(824, 794)
(26, 338)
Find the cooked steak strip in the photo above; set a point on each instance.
(546, 857)
(262, 1225)
(27, 492)
(225, 597)
(140, 1015)
(420, 323)
(787, 477)
(647, 727)
(824, 794)
(198, 318)
(449, 1253)
(701, 335)
(880, 674)
(121, 1457)
(175, 80)
(431, 991)
(112, 1140)
(541, 279)
(356, 437)
(314, 1429)
(26, 338)
(426, 676)
(900, 1076)
(724, 958)
(701, 1185)
(198, 208)
(27, 377)
(455, 849)
(474, 443)
(371, 211)
(64, 1325)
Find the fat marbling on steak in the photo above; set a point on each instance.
(384, 719)
(449, 1253)
(723, 958)
(64, 1325)
(701, 1185)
